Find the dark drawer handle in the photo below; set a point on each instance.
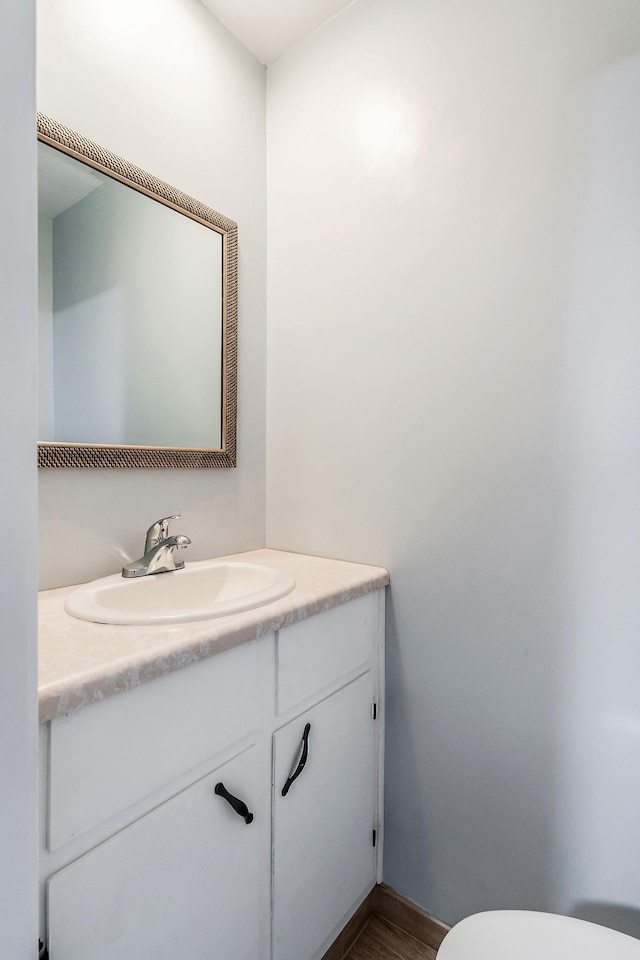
(239, 806)
(302, 761)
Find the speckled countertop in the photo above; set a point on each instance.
(81, 662)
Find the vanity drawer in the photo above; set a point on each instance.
(319, 651)
(112, 754)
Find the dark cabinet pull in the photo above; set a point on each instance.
(238, 805)
(302, 761)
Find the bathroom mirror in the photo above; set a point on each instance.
(137, 305)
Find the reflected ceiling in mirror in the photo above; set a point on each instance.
(137, 315)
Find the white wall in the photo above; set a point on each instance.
(453, 371)
(163, 84)
(18, 712)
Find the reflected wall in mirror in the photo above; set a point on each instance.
(137, 315)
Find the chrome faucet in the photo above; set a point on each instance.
(159, 551)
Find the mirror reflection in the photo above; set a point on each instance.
(131, 314)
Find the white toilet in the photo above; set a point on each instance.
(526, 935)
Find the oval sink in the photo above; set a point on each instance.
(203, 589)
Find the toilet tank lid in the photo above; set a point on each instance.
(528, 935)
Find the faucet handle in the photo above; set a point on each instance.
(158, 532)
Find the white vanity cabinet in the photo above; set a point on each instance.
(143, 858)
(323, 854)
(181, 881)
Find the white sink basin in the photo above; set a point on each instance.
(204, 589)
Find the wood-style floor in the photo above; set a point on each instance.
(381, 940)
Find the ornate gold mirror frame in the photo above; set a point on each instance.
(68, 454)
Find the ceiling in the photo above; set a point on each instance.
(268, 27)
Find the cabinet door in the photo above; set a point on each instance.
(179, 884)
(324, 859)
